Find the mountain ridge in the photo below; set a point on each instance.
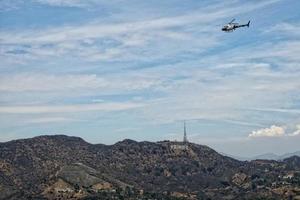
(265, 156)
(71, 168)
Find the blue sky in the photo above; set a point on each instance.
(110, 70)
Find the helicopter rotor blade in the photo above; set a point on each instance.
(232, 21)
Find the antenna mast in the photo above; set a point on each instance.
(184, 132)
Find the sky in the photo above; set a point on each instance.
(110, 70)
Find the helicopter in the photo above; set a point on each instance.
(232, 26)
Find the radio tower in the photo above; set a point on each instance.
(184, 132)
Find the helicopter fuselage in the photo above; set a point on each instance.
(232, 26)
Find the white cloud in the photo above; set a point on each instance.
(273, 131)
(241, 123)
(296, 132)
(96, 30)
(42, 82)
(288, 29)
(6, 5)
(67, 3)
(42, 120)
(280, 110)
(133, 40)
(68, 108)
(34, 82)
(221, 93)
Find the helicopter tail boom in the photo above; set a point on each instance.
(243, 25)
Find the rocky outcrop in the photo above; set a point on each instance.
(80, 175)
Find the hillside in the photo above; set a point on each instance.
(52, 167)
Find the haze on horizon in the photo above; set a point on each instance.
(110, 70)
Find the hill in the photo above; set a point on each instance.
(266, 156)
(272, 156)
(52, 167)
